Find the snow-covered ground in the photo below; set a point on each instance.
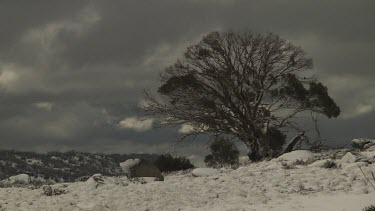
(269, 185)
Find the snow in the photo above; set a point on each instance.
(339, 202)
(55, 158)
(355, 165)
(244, 159)
(372, 144)
(369, 153)
(348, 158)
(320, 163)
(21, 178)
(128, 164)
(293, 156)
(204, 172)
(256, 186)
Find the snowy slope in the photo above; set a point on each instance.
(266, 185)
(63, 166)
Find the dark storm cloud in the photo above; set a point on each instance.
(72, 70)
(129, 30)
(18, 17)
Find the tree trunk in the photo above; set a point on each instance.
(254, 154)
(259, 149)
(293, 142)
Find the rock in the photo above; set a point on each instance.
(95, 180)
(348, 158)
(140, 168)
(98, 178)
(204, 172)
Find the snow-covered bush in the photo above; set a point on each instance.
(82, 179)
(49, 190)
(362, 143)
(24, 181)
(169, 163)
(297, 156)
(288, 166)
(302, 162)
(369, 208)
(223, 153)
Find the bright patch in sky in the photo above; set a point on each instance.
(137, 124)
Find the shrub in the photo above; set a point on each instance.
(223, 153)
(288, 166)
(361, 143)
(301, 162)
(360, 146)
(168, 163)
(369, 208)
(48, 190)
(329, 164)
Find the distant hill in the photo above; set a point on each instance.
(63, 166)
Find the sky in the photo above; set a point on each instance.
(72, 72)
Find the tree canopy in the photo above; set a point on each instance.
(240, 84)
(223, 153)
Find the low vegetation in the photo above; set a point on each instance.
(369, 208)
(329, 164)
(169, 163)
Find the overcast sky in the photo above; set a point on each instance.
(72, 72)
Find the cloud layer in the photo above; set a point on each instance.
(72, 72)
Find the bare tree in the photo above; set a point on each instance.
(240, 84)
